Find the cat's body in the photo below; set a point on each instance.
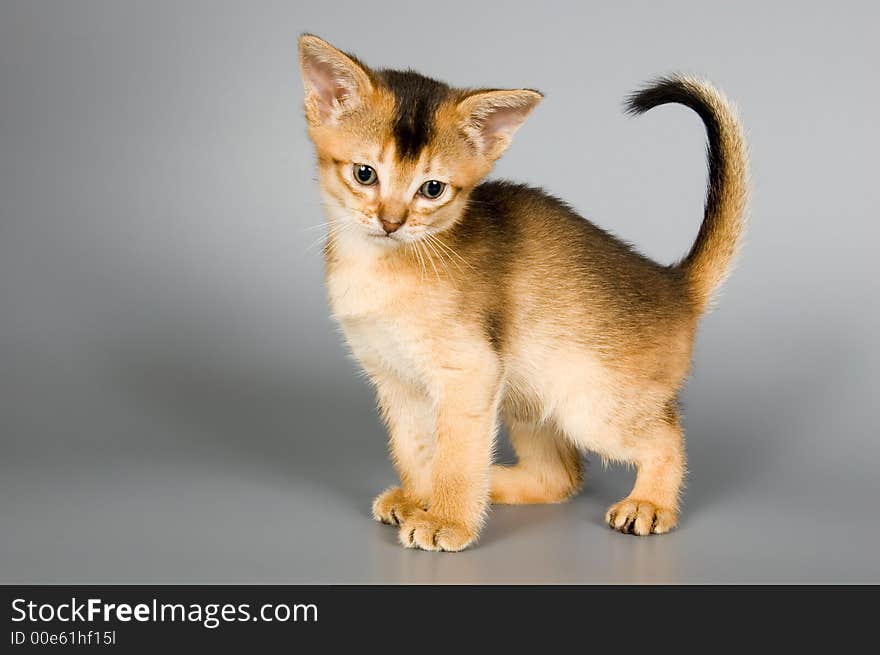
(506, 305)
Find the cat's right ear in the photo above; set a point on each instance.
(334, 81)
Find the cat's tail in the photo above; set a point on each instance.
(711, 257)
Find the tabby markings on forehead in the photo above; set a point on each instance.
(416, 101)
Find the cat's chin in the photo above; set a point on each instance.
(386, 239)
(383, 242)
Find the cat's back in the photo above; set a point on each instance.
(530, 226)
(549, 262)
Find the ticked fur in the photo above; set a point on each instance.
(498, 302)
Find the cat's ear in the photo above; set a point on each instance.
(334, 81)
(491, 118)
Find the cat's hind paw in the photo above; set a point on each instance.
(640, 517)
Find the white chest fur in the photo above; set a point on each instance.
(375, 308)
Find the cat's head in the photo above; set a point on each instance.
(398, 153)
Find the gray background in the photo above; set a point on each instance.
(175, 405)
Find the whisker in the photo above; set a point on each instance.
(452, 252)
(410, 250)
(336, 205)
(333, 230)
(430, 256)
(445, 261)
(444, 249)
(421, 254)
(319, 226)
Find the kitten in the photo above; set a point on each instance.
(468, 302)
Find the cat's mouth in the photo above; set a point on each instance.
(385, 239)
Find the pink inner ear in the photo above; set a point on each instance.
(503, 121)
(326, 84)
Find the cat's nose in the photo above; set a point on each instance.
(392, 214)
(390, 225)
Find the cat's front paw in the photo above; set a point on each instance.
(429, 532)
(393, 507)
(641, 517)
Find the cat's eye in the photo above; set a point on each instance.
(432, 189)
(365, 174)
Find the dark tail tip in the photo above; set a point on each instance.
(663, 91)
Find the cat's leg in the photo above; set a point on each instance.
(466, 418)
(408, 415)
(548, 470)
(652, 505)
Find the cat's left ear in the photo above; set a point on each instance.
(491, 118)
(334, 81)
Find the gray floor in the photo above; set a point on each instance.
(175, 405)
(191, 470)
